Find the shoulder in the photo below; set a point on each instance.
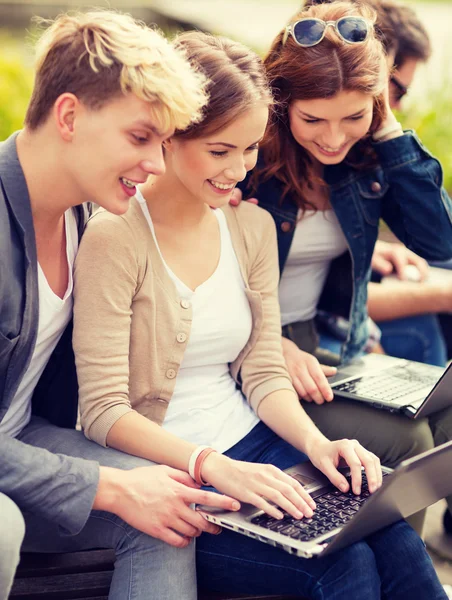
(252, 230)
(105, 226)
(248, 217)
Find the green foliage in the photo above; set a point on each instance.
(432, 121)
(15, 87)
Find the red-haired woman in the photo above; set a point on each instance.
(334, 162)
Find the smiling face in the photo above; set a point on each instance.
(112, 149)
(208, 168)
(328, 127)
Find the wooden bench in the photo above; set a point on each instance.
(82, 575)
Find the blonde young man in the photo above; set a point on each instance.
(108, 92)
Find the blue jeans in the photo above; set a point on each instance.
(391, 564)
(416, 338)
(145, 568)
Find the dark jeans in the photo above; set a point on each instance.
(415, 338)
(391, 564)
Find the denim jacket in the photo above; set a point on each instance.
(404, 189)
(56, 394)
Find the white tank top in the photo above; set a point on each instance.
(206, 408)
(54, 315)
(318, 239)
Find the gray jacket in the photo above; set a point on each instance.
(34, 478)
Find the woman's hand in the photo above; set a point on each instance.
(327, 456)
(309, 377)
(389, 122)
(237, 197)
(259, 485)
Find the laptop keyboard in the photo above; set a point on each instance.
(334, 509)
(389, 385)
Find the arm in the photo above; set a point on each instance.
(282, 412)
(106, 276)
(309, 377)
(105, 284)
(398, 299)
(267, 385)
(59, 488)
(416, 206)
(64, 490)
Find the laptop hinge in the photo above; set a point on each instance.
(409, 410)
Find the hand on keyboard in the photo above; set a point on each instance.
(327, 456)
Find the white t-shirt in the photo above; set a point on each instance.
(54, 315)
(206, 408)
(317, 240)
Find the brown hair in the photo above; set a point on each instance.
(320, 71)
(401, 31)
(412, 37)
(236, 80)
(102, 54)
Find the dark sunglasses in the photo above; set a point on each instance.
(309, 32)
(401, 90)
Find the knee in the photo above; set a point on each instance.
(12, 527)
(360, 556)
(441, 425)
(403, 544)
(358, 563)
(412, 438)
(12, 531)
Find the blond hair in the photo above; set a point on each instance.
(101, 54)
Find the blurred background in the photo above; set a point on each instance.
(427, 109)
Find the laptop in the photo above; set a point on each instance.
(342, 519)
(404, 386)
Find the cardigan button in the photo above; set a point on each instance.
(181, 337)
(286, 226)
(171, 373)
(375, 186)
(185, 303)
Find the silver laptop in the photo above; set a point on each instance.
(394, 384)
(342, 519)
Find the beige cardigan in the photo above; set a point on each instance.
(131, 328)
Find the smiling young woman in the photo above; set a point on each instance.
(177, 340)
(334, 161)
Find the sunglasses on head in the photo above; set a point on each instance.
(309, 32)
(400, 90)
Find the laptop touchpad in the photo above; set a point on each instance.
(346, 372)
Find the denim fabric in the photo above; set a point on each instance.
(415, 338)
(145, 568)
(391, 563)
(404, 189)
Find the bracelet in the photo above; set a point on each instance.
(193, 458)
(382, 133)
(199, 463)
